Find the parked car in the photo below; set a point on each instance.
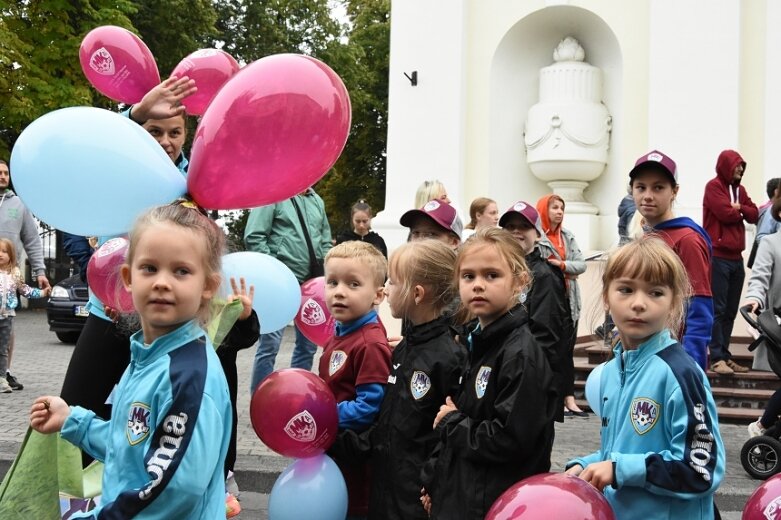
(66, 310)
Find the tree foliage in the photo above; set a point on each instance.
(40, 71)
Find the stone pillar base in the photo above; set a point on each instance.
(572, 193)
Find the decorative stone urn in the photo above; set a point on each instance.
(568, 132)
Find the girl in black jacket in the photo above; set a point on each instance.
(498, 428)
(426, 367)
(361, 220)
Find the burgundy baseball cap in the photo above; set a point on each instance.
(658, 160)
(440, 212)
(525, 210)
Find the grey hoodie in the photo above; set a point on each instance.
(17, 224)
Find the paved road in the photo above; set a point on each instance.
(40, 362)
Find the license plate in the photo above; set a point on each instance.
(80, 310)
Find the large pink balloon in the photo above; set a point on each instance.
(313, 318)
(104, 278)
(294, 413)
(210, 68)
(273, 130)
(118, 63)
(765, 502)
(548, 496)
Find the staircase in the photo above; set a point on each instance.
(739, 398)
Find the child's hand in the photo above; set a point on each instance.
(425, 500)
(445, 409)
(46, 292)
(574, 470)
(111, 313)
(48, 414)
(599, 474)
(751, 303)
(554, 262)
(164, 100)
(393, 341)
(246, 298)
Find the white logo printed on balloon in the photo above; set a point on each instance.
(302, 427)
(102, 62)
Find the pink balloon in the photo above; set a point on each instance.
(210, 68)
(765, 501)
(273, 130)
(118, 63)
(294, 413)
(104, 278)
(551, 495)
(313, 319)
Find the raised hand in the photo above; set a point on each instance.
(243, 295)
(164, 100)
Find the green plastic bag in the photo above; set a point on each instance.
(46, 468)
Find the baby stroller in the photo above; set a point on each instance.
(761, 456)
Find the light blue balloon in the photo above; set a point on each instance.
(593, 389)
(277, 293)
(309, 488)
(90, 171)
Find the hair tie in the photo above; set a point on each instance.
(187, 202)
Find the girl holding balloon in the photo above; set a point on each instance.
(662, 455)
(164, 447)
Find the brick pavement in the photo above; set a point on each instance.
(40, 362)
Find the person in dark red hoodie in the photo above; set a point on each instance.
(725, 206)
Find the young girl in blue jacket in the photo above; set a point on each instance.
(165, 445)
(661, 454)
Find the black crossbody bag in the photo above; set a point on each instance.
(315, 264)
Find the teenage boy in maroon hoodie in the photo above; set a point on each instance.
(725, 206)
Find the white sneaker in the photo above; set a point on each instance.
(5, 388)
(755, 429)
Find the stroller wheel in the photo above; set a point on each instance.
(761, 457)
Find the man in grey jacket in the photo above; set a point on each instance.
(278, 231)
(17, 225)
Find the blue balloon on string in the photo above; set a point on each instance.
(593, 389)
(309, 488)
(277, 293)
(90, 171)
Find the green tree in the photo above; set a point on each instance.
(172, 29)
(39, 58)
(360, 171)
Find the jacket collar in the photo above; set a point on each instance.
(633, 359)
(481, 340)
(342, 329)
(144, 354)
(424, 332)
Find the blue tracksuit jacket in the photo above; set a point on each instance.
(660, 428)
(164, 448)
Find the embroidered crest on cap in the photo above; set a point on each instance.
(519, 206)
(302, 427)
(337, 360)
(481, 381)
(644, 412)
(420, 384)
(431, 205)
(653, 156)
(137, 423)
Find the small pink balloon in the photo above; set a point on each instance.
(294, 413)
(118, 63)
(210, 68)
(273, 130)
(313, 319)
(104, 278)
(765, 501)
(551, 495)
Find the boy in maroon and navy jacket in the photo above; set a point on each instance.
(725, 206)
(356, 362)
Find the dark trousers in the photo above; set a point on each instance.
(97, 363)
(228, 362)
(726, 283)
